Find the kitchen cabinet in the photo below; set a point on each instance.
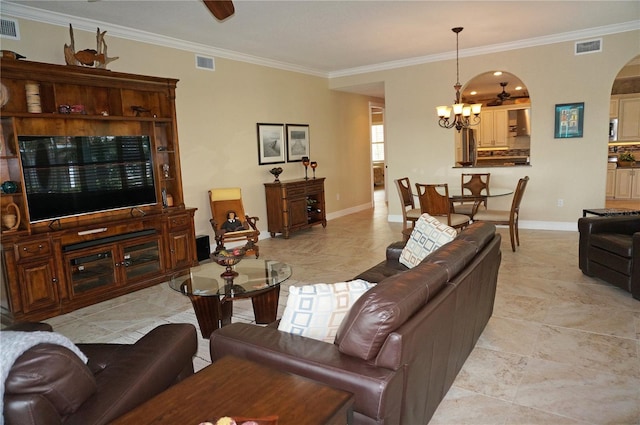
(611, 180)
(629, 119)
(627, 183)
(613, 107)
(494, 128)
(295, 205)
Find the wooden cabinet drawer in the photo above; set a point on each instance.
(295, 190)
(315, 186)
(32, 249)
(179, 221)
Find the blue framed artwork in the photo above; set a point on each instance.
(569, 120)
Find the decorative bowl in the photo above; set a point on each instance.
(276, 171)
(228, 258)
(465, 163)
(9, 187)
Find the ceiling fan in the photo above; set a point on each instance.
(504, 96)
(221, 9)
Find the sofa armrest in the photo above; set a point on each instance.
(132, 374)
(377, 391)
(395, 250)
(29, 327)
(626, 225)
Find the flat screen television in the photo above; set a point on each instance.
(73, 175)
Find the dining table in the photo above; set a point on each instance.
(456, 194)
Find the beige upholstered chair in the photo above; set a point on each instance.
(476, 185)
(510, 217)
(438, 205)
(223, 201)
(409, 211)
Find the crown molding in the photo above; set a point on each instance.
(494, 48)
(59, 19)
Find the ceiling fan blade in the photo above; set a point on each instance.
(221, 9)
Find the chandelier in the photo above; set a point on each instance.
(461, 113)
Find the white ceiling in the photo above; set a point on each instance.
(333, 38)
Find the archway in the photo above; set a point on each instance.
(503, 135)
(623, 182)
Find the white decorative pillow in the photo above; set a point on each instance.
(316, 311)
(427, 236)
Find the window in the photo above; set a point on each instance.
(377, 142)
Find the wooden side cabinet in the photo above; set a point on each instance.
(294, 205)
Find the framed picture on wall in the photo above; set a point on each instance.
(569, 120)
(297, 142)
(271, 149)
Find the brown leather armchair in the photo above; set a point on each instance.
(49, 384)
(610, 250)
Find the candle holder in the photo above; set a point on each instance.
(314, 165)
(305, 162)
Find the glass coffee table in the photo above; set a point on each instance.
(212, 294)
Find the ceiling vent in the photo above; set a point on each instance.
(9, 29)
(204, 62)
(588, 46)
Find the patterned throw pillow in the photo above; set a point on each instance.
(427, 236)
(316, 311)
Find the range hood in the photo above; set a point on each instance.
(523, 121)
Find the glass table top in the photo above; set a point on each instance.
(253, 275)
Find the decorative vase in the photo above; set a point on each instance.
(11, 219)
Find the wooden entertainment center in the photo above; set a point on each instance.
(54, 266)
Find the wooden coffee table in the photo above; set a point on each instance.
(240, 388)
(212, 294)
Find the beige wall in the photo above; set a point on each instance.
(217, 116)
(218, 111)
(570, 169)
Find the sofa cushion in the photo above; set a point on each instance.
(427, 236)
(385, 308)
(55, 372)
(316, 311)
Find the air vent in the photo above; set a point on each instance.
(589, 46)
(9, 29)
(204, 62)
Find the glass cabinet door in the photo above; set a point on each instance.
(91, 270)
(141, 258)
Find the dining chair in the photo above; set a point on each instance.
(439, 205)
(409, 211)
(476, 185)
(510, 217)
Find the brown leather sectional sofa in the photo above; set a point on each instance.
(50, 385)
(609, 249)
(403, 342)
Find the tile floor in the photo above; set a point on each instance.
(561, 348)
